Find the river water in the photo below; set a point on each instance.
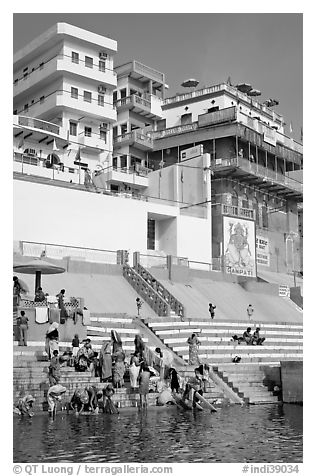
(235, 434)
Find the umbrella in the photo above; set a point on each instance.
(254, 92)
(38, 267)
(190, 83)
(244, 87)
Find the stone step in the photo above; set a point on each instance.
(261, 400)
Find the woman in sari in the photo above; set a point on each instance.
(108, 405)
(116, 341)
(24, 406)
(85, 357)
(105, 361)
(194, 343)
(134, 370)
(119, 369)
(52, 337)
(139, 346)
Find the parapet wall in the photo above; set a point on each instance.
(292, 381)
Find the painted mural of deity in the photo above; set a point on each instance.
(238, 253)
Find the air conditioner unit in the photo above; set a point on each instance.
(103, 55)
(101, 89)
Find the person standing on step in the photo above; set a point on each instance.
(52, 337)
(54, 369)
(194, 343)
(23, 324)
(105, 360)
(250, 311)
(61, 306)
(139, 304)
(211, 309)
(139, 346)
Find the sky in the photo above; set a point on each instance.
(263, 49)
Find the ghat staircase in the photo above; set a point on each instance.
(249, 379)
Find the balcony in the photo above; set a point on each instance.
(129, 176)
(234, 211)
(60, 64)
(33, 123)
(141, 72)
(134, 138)
(54, 102)
(262, 176)
(34, 166)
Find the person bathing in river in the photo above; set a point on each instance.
(78, 401)
(134, 369)
(144, 385)
(108, 405)
(24, 406)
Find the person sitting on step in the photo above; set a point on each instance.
(257, 340)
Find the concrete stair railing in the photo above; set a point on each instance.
(150, 296)
(175, 305)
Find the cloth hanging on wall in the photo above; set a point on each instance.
(41, 315)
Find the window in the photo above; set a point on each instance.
(72, 128)
(161, 125)
(213, 109)
(256, 210)
(74, 93)
(123, 93)
(114, 96)
(100, 100)
(103, 136)
(234, 199)
(75, 57)
(88, 62)
(123, 129)
(244, 201)
(115, 133)
(26, 107)
(186, 119)
(87, 96)
(102, 66)
(151, 234)
(87, 131)
(42, 98)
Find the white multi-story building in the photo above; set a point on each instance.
(63, 85)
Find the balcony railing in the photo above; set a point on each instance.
(37, 124)
(134, 136)
(223, 115)
(264, 172)
(133, 100)
(174, 130)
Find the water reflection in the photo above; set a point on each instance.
(265, 433)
